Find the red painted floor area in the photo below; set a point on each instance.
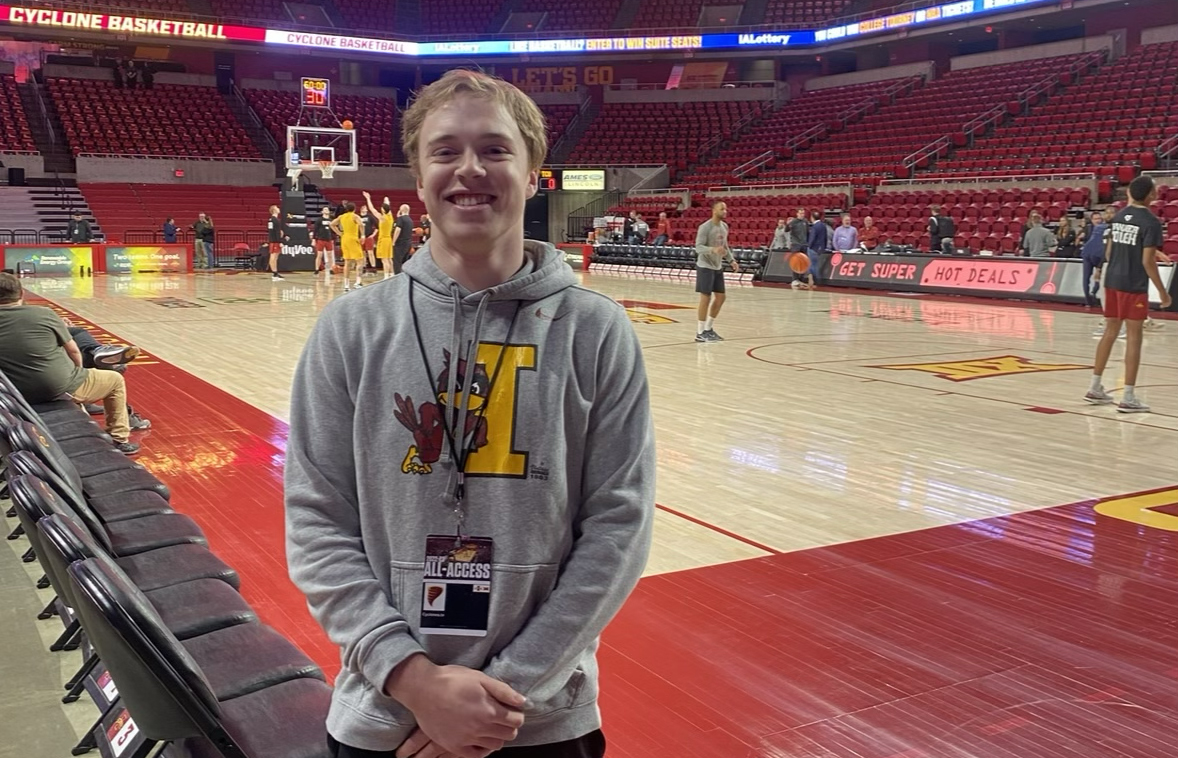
(1045, 634)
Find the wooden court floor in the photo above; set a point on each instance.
(888, 526)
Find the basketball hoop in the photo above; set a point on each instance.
(326, 168)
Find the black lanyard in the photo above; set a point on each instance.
(468, 446)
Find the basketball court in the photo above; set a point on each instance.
(888, 526)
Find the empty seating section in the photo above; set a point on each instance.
(272, 10)
(805, 11)
(14, 127)
(671, 133)
(986, 219)
(774, 131)
(669, 14)
(877, 146)
(377, 138)
(459, 16)
(144, 6)
(1167, 210)
(144, 208)
(169, 120)
(573, 16)
(1108, 120)
(558, 118)
(377, 15)
(337, 195)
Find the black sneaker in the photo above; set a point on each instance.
(109, 356)
(702, 337)
(138, 423)
(712, 336)
(127, 448)
(95, 410)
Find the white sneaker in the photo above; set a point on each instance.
(1099, 397)
(1132, 406)
(1151, 325)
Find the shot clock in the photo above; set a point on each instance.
(316, 92)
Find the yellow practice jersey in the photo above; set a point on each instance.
(386, 227)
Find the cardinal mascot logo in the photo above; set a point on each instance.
(427, 421)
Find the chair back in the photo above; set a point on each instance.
(159, 682)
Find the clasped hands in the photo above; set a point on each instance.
(460, 712)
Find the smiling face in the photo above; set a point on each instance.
(474, 174)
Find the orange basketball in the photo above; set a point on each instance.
(799, 263)
(347, 124)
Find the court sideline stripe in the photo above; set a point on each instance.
(719, 530)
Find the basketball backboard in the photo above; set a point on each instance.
(309, 148)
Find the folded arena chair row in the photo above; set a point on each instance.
(174, 657)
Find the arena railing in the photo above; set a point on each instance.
(1167, 148)
(31, 237)
(220, 158)
(227, 243)
(1075, 177)
(787, 188)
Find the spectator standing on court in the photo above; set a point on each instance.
(1131, 257)
(1066, 237)
(846, 237)
(540, 507)
(170, 231)
(202, 232)
(78, 230)
(799, 232)
(1039, 242)
(711, 253)
(817, 244)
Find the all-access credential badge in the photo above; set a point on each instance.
(456, 588)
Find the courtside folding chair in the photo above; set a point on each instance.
(208, 701)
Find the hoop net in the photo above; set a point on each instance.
(326, 168)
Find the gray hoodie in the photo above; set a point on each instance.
(562, 480)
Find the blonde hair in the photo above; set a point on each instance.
(457, 82)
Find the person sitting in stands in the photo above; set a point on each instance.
(662, 232)
(44, 362)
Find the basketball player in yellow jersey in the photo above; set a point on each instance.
(384, 234)
(347, 226)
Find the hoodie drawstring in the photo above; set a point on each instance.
(454, 423)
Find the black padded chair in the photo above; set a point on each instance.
(120, 538)
(68, 428)
(150, 569)
(129, 477)
(215, 700)
(80, 444)
(27, 436)
(120, 507)
(189, 609)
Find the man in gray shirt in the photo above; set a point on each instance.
(711, 253)
(1039, 242)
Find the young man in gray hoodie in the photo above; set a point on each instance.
(466, 551)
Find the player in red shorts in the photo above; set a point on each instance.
(1135, 235)
(276, 234)
(324, 242)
